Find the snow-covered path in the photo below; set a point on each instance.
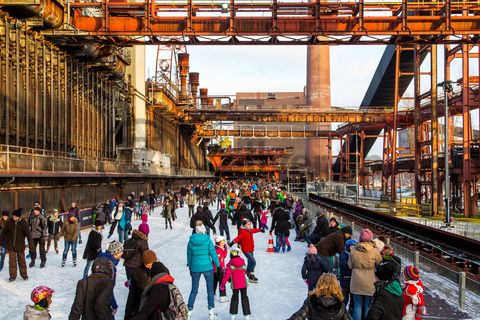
(278, 294)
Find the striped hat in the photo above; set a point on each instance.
(411, 273)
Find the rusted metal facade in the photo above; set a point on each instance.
(52, 101)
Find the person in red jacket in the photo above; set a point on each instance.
(236, 271)
(247, 244)
(222, 251)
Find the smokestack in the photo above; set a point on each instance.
(184, 67)
(203, 97)
(318, 96)
(194, 83)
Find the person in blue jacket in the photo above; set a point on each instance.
(345, 274)
(201, 256)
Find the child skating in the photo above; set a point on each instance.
(236, 270)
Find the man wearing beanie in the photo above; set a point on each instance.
(387, 301)
(114, 254)
(333, 243)
(413, 299)
(13, 236)
(156, 297)
(138, 281)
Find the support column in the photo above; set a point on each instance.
(418, 134)
(434, 130)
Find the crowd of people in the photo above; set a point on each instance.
(345, 278)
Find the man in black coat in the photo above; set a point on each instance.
(321, 229)
(94, 294)
(201, 216)
(240, 214)
(13, 235)
(387, 303)
(335, 242)
(156, 296)
(208, 215)
(93, 247)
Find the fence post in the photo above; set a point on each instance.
(462, 277)
(353, 227)
(416, 260)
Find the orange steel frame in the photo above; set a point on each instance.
(429, 177)
(278, 22)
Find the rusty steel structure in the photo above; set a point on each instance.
(272, 22)
(242, 161)
(423, 158)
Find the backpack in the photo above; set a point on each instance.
(129, 249)
(177, 310)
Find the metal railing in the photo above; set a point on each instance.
(21, 159)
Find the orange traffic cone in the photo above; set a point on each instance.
(270, 244)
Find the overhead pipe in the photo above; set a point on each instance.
(50, 11)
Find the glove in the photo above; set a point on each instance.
(262, 230)
(231, 243)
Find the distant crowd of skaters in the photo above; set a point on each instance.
(345, 278)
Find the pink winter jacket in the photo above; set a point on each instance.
(238, 271)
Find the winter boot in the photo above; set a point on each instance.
(190, 314)
(247, 317)
(74, 263)
(56, 250)
(224, 299)
(42, 264)
(211, 314)
(63, 263)
(233, 316)
(32, 264)
(289, 248)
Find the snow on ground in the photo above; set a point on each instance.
(279, 293)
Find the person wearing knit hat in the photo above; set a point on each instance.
(144, 228)
(411, 273)
(148, 258)
(313, 267)
(201, 258)
(413, 299)
(366, 235)
(364, 258)
(115, 248)
(138, 281)
(387, 301)
(13, 238)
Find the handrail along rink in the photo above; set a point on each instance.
(457, 252)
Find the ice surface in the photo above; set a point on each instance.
(279, 292)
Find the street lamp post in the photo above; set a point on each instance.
(447, 89)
